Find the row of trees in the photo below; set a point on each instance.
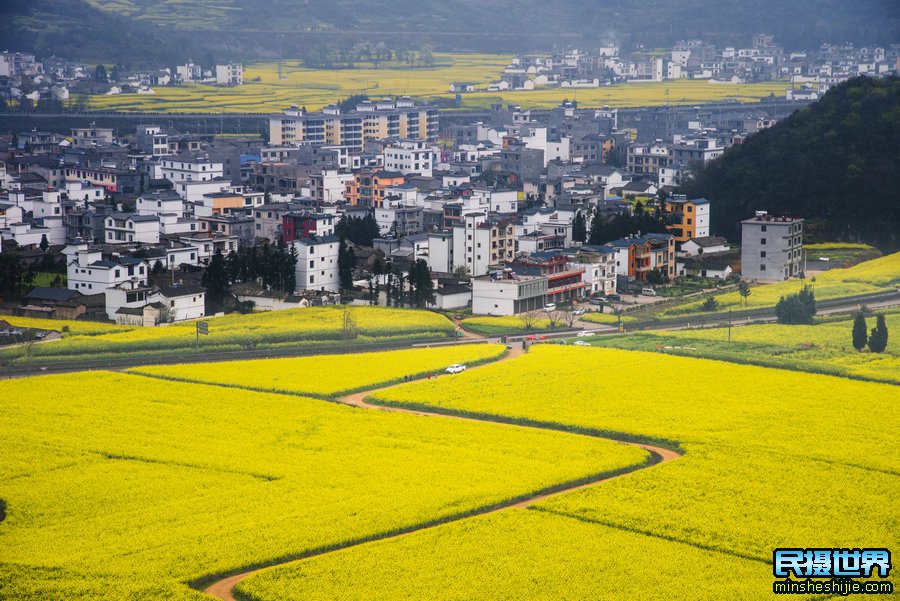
(605, 230)
(273, 267)
(797, 308)
(415, 289)
(359, 231)
(876, 341)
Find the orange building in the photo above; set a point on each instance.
(367, 188)
(686, 219)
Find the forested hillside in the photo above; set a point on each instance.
(835, 162)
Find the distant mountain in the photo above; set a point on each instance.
(835, 162)
(497, 25)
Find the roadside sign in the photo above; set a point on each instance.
(203, 328)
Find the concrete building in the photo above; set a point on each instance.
(771, 247)
(386, 118)
(686, 219)
(505, 293)
(190, 168)
(231, 74)
(410, 156)
(481, 241)
(317, 264)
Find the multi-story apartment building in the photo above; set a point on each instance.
(599, 265)
(86, 137)
(771, 247)
(410, 156)
(129, 228)
(480, 241)
(190, 168)
(504, 292)
(305, 224)
(387, 118)
(367, 189)
(231, 74)
(637, 256)
(686, 219)
(564, 280)
(317, 263)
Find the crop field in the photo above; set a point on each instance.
(821, 348)
(772, 458)
(326, 375)
(509, 324)
(843, 252)
(313, 326)
(876, 275)
(606, 318)
(315, 88)
(120, 486)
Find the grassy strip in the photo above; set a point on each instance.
(532, 423)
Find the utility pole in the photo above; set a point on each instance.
(729, 325)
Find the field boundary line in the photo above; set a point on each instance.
(222, 586)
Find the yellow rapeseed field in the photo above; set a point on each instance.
(323, 375)
(772, 459)
(263, 91)
(313, 326)
(866, 277)
(121, 486)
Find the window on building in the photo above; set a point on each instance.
(762, 267)
(762, 240)
(762, 228)
(762, 254)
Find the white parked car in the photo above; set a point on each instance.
(584, 334)
(549, 307)
(580, 343)
(578, 312)
(648, 292)
(456, 368)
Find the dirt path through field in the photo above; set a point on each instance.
(224, 588)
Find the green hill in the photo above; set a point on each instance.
(246, 26)
(835, 162)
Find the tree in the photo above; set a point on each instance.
(100, 74)
(215, 280)
(860, 331)
(744, 291)
(349, 330)
(13, 275)
(462, 273)
(579, 228)
(797, 308)
(657, 277)
(158, 268)
(421, 284)
(345, 264)
(710, 304)
(529, 320)
(879, 338)
(45, 244)
(114, 73)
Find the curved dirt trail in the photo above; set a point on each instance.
(224, 587)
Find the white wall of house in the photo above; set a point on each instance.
(317, 265)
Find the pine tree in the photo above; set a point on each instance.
(879, 338)
(860, 331)
(345, 265)
(579, 228)
(215, 280)
(100, 74)
(45, 244)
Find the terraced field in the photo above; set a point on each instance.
(122, 486)
(290, 329)
(772, 459)
(825, 347)
(263, 91)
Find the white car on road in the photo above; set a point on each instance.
(584, 334)
(456, 368)
(581, 343)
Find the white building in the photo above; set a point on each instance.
(182, 301)
(480, 242)
(599, 265)
(231, 74)
(89, 273)
(410, 156)
(440, 252)
(157, 203)
(189, 72)
(125, 228)
(771, 247)
(505, 293)
(190, 168)
(317, 264)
